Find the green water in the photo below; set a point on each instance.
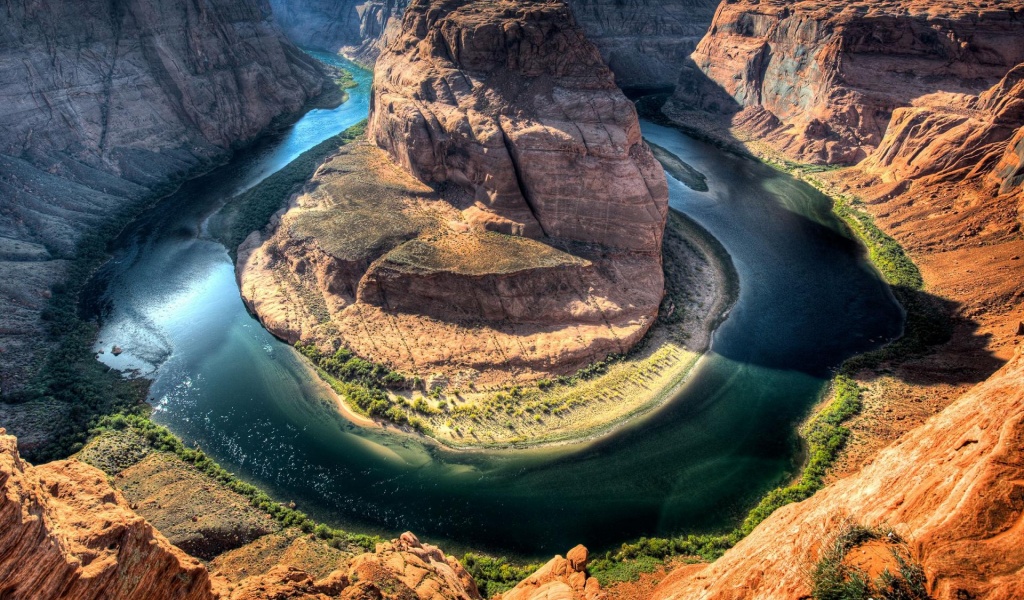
(807, 300)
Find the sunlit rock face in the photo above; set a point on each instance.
(820, 82)
(517, 213)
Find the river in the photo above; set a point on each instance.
(807, 300)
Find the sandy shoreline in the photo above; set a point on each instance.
(633, 389)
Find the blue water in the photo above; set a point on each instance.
(807, 300)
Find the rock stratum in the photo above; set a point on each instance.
(952, 488)
(506, 221)
(67, 533)
(105, 103)
(821, 83)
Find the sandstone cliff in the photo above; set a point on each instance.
(67, 534)
(560, 578)
(821, 84)
(105, 102)
(540, 203)
(355, 28)
(952, 488)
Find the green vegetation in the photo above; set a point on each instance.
(161, 439)
(926, 322)
(365, 384)
(833, 579)
(495, 575)
(251, 210)
(825, 436)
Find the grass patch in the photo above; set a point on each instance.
(161, 439)
(833, 579)
(495, 575)
(251, 210)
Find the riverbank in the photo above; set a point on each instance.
(701, 286)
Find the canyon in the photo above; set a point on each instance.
(108, 106)
(487, 118)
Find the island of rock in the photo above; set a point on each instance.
(503, 222)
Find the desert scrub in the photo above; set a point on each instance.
(160, 439)
(832, 578)
(251, 210)
(364, 384)
(495, 575)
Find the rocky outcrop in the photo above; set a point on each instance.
(67, 534)
(106, 102)
(645, 43)
(821, 84)
(952, 488)
(355, 28)
(528, 242)
(559, 579)
(512, 103)
(403, 569)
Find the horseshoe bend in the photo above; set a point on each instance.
(400, 298)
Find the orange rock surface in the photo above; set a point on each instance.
(954, 488)
(65, 533)
(559, 579)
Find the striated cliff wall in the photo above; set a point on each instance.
(821, 84)
(511, 102)
(952, 488)
(105, 102)
(644, 42)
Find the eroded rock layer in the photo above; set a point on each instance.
(511, 102)
(527, 240)
(951, 487)
(67, 534)
(821, 82)
(105, 102)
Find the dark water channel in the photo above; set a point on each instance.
(807, 301)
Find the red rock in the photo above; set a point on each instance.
(65, 533)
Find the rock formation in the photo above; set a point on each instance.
(541, 203)
(403, 569)
(952, 488)
(821, 84)
(561, 578)
(67, 534)
(105, 103)
(645, 43)
(355, 28)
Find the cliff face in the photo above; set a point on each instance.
(540, 203)
(645, 43)
(67, 534)
(356, 28)
(821, 84)
(106, 101)
(511, 102)
(952, 488)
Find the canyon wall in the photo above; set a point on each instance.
(952, 488)
(105, 102)
(511, 102)
(644, 42)
(355, 28)
(820, 84)
(497, 230)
